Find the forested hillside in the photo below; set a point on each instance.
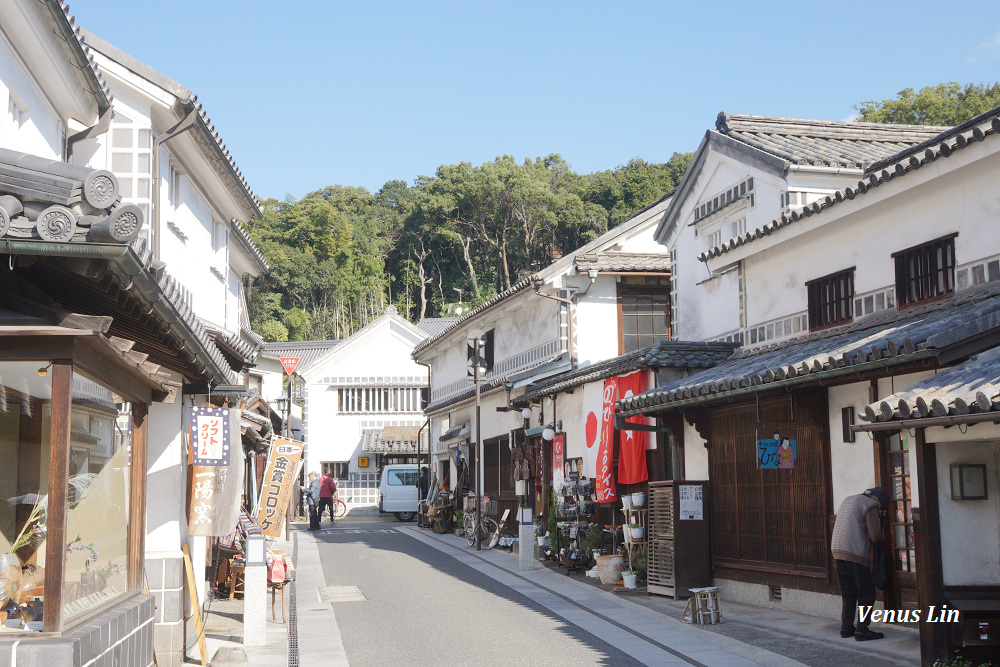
(340, 255)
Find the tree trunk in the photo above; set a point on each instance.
(503, 264)
(466, 242)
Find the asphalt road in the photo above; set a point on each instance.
(414, 605)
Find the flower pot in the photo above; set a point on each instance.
(626, 502)
(636, 532)
(541, 540)
(629, 579)
(609, 569)
(638, 499)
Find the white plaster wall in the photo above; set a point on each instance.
(382, 351)
(695, 454)
(966, 561)
(852, 464)
(166, 481)
(41, 133)
(597, 322)
(964, 199)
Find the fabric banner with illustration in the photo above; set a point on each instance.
(632, 444)
(279, 485)
(605, 478)
(215, 473)
(593, 403)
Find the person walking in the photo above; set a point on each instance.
(311, 491)
(327, 490)
(857, 528)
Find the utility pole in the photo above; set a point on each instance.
(477, 361)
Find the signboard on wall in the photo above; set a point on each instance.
(215, 478)
(279, 485)
(777, 453)
(606, 491)
(362, 461)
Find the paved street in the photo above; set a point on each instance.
(419, 605)
(401, 595)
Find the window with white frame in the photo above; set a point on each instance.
(378, 399)
(131, 162)
(713, 239)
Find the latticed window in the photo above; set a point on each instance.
(378, 399)
(831, 299)
(925, 271)
(645, 311)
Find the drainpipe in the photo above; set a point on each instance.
(183, 126)
(96, 130)
(569, 319)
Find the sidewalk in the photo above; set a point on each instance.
(749, 635)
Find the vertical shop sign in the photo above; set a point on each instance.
(280, 478)
(593, 401)
(632, 453)
(606, 492)
(558, 451)
(215, 480)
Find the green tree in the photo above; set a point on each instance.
(944, 104)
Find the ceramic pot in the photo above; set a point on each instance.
(629, 579)
(638, 499)
(609, 568)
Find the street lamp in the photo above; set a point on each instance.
(458, 311)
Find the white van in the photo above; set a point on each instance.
(397, 490)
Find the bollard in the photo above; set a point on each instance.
(255, 590)
(526, 539)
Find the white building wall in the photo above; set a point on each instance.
(852, 464)
(597, 322)
(28, 122)
(336, 436)
(965, 561)
(695, 454)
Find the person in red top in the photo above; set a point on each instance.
(327, 490)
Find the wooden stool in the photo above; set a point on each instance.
(275, 587)
(235, 579)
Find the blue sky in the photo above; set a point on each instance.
(313, 93)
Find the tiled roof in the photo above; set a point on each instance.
(882, 340)
(74, 40)
(244, 240)
(492, 383)
(623, 261)
(663, 354)
(968, 388)
(432, 326)
(207, 137)
(307, 351)
(454, 432)
(823, 142)
(910, 159)
(242, 346)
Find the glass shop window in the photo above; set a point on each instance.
(97, 520)
(25, 412)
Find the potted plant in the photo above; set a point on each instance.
(639, 564)
(629, 578)
(636, 531)
(459, 523)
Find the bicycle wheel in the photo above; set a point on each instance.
(469, 523)
(339, 509)
(491, 533)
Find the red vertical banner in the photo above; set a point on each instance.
(632, 452)
(558, 451)
(606, 492)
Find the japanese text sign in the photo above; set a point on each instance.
(289, 363)
(606, 491)
(210, 436)
(278, 486)
(780, 453)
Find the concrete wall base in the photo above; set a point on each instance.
(823, 605)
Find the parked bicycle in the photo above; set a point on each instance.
(488, 527)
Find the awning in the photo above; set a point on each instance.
(393, 440)
(964, 393)
(949, 329)
(455, 432)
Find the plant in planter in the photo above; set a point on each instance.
(591, 540)
(639, 564)
(459, 523)
(555, 514)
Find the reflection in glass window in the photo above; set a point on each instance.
(97, 521)
(25, 406)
